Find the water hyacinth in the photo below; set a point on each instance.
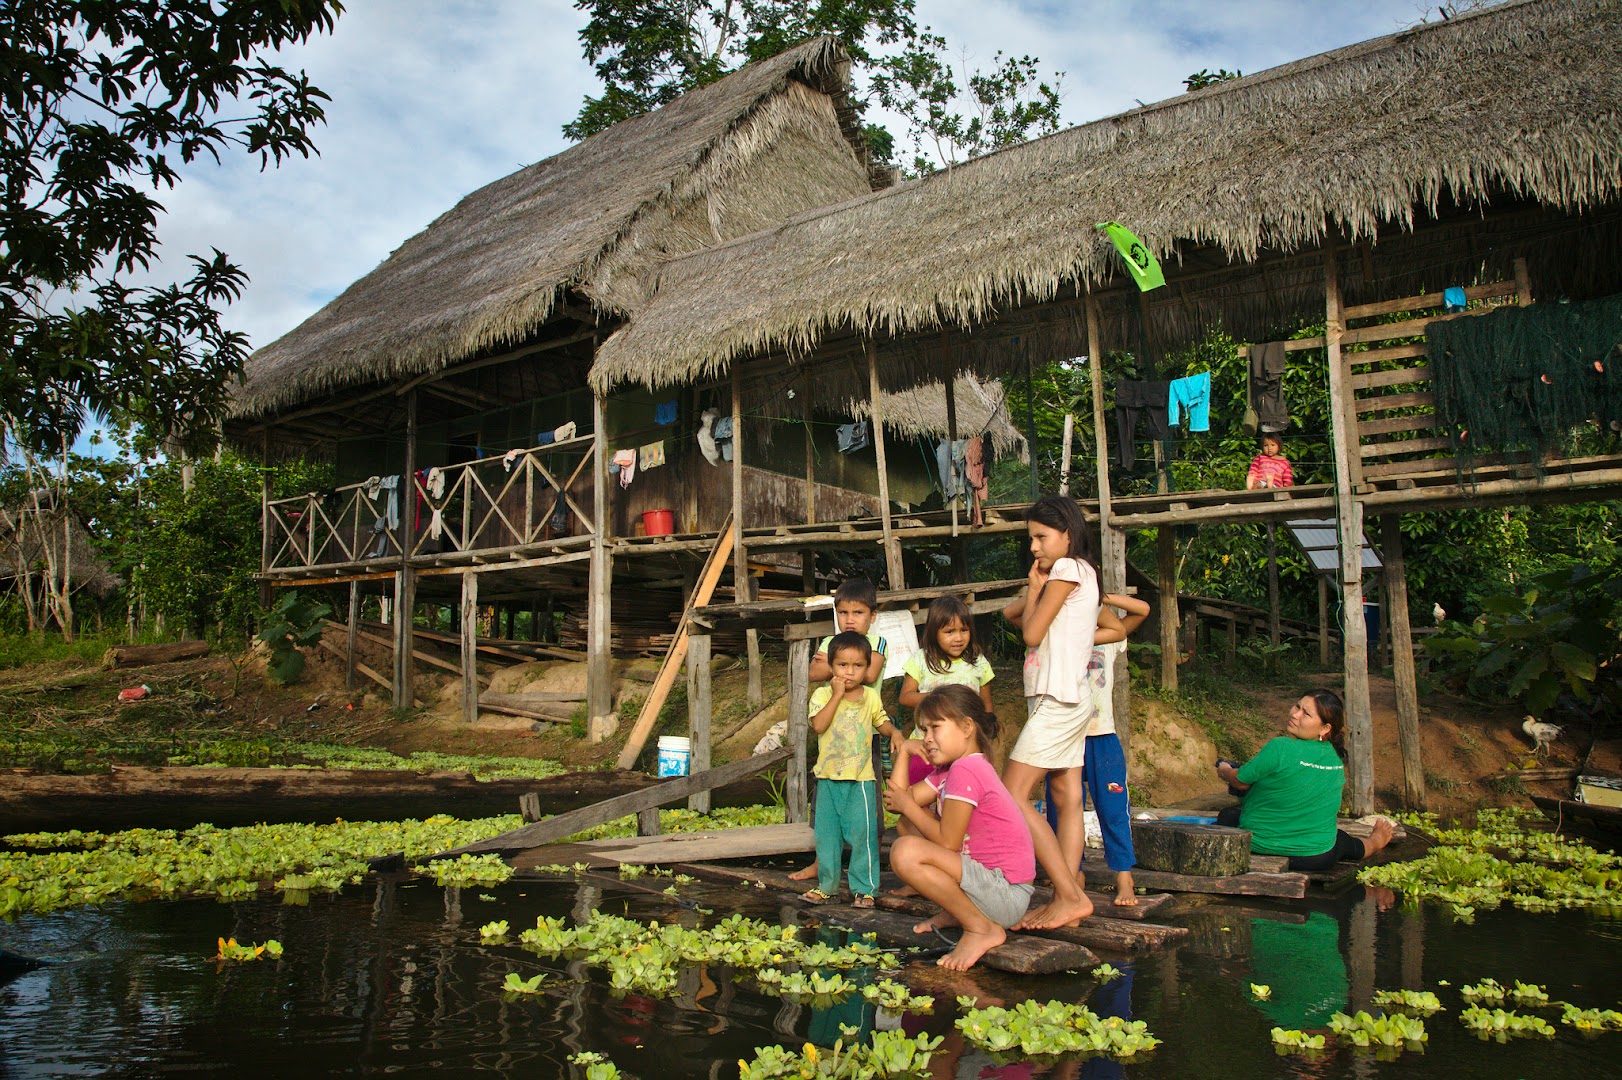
(1055, 1027)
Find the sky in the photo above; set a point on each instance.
(432, 99)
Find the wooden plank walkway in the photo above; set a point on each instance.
(672, 849)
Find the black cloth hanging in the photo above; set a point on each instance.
(1272, 412)
(1132, 397)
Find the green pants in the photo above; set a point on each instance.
(847, 813)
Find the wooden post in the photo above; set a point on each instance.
(1402, 662)
(1112, 542)
(743, 589)
(470, 647)
(951, 423)
(810, 452)
(1272, 583)
(698, 715)
(875, 414)
(1064, 459)
(1349, 521)
(1166, 566)
(796, 795)
(354, 628)
(405, 579)
(599, 584)
(1323, 620)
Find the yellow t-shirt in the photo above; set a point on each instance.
(845, 750)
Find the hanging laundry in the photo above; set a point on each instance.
(1454, 299)
(434, 483)
(623, 465)
(706, 436)
(1267, 411)
(390, 486)
(650, 456)
(664, 413)
(1132, 397)
(852, 437)
(508, 458)
(950, 460)
(1194, 394)
(976, 467)
(723, 437)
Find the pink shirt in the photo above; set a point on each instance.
(1271, 471)
(997, 837)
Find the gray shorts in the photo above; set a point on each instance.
(999, 901)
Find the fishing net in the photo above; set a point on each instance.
(1521, 378)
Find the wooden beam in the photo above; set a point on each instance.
(810, 450)
(1367, 380)
(599, 631)
(354, 626)
(875, 415)
(1323, 620)
(470, 648)
(951, 420)
(360, 667)
(1402, 661)
(677, 652)
(405, 578)
(559, 826)
(796, 796)
(1349, 527)
(1166, 569)
(504, 358)
(742, 584)
(699, 711)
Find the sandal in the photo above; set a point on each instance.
(815, 896)
(861, 901)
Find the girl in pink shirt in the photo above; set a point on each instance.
(975, 860)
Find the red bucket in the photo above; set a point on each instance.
(659, 523)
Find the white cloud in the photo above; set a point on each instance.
(432, 99)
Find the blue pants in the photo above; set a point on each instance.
(1104, 774)
(847, 813)
(1193, 394)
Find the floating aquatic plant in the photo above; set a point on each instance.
(597, 1067)
(1487, 991)
(516, 984)
(1390, 1035)
(1055, 1027)
(471, 870)
(1418, 1002)
(1502, 1025)
(230, 950)
(1529, 994)
(893, 996)
(1260, 992)
(1105, 973)
(1591, 1020)
(1292, 1041)
(493, 933)
(891, 1054)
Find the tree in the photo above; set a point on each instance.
(101, 100)
(648, 53)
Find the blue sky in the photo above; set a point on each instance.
(434, 98)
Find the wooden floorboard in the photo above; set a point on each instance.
(748, 842)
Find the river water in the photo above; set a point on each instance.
(390, 978)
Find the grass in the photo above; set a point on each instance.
(20, 650)
(1211, 698)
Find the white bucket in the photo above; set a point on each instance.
(674, 755)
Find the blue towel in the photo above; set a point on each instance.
(1453, 299)
(665, 413)
(1193, 394)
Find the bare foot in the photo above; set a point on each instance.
(971, 947)
(941, 921)
(1057, 912)
(904, 890)
(804, 875)
(1379, 836)
(1126, 893)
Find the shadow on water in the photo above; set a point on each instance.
(391, 977)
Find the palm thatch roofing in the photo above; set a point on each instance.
(29, 534)
(982, 409)
(709, 166)
(1511, 104)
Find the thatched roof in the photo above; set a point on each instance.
(1515, 102)
(921, 411)
(766, 142)
(27, 534)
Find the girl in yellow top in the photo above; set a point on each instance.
(950, 657)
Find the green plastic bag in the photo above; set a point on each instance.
(1139, 260)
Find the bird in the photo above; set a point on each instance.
(1438, 613)
(1540, 733)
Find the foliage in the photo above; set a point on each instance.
(493, 933)
(1260, 992)
(1501, 860)
(1054, 1027)
(471, 870)
(597, 1067)
(103, 102)
(1390, 1035)
(891, 1054)
(1206, 77)
(230, 950)
(1591, 1020)
(1419, 1002)
(1560, 633)
(1501, 1025)
(647, 54)
(1290, 1040)
(293, 623)
(517, 984)
(896, 998)
(74, 869)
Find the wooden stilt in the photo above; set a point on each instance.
(698, 716)
(875, 412)
(1402, 662)
(470, 648)
(951, 424)
(1064, 457)
(810, 451)
(743, 589)
(1272, 583)
(1349, 521)
(1112, 541)
(1166, 566)
(599, 631)
(796, 794)
(1323, 620)
(405, 579)
(349, 644)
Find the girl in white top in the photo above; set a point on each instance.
(1058, 616)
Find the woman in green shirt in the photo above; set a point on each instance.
(1291, 791)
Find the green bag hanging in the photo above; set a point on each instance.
(1143, 265)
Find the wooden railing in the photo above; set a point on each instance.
(493, 504)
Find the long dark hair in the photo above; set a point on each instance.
(955, 702)
(943, 612)
(1332, 711)
(1064, 514)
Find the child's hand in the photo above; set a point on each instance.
(898, 745)
(895, 799)
(1036, 579)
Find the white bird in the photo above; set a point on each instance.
(1540, 733)
(1438, 613)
